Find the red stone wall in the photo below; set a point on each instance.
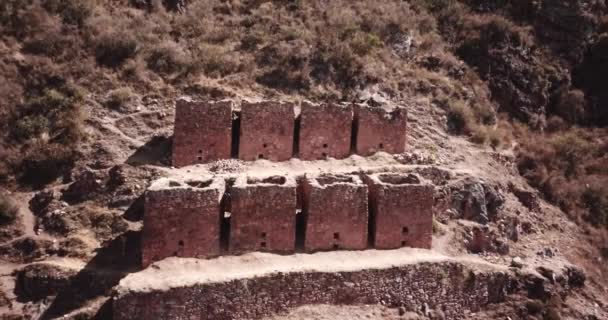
(335, 209)
(402, 207)
(181, 220)
(379, 129)
(202, 132)
(263, 215)
(325, 131)
(267, 130)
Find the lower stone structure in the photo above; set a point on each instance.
(401, 206)
(380, 129)
(202, 133)
(335, 211)
(182, 218)
(263, 216)
(267, 130)
(259, 285)
(325, 131)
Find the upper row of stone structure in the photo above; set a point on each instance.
(207, 131)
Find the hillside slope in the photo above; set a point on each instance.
(506, 96)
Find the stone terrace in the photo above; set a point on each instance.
(260, 284)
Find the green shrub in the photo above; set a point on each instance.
(8, 210)
(113, 49)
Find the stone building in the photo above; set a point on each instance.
(263, 216)
(401, 209)
(325, 131)
(202, 132)
(379, 129)
(266, 131)
(335, 211)
(182, 218)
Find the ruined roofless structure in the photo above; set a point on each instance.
(207, 131)
(227, 214)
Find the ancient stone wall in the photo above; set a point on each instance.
(263, 216)
(202, 132)
(380, 129)
(335, 211)
(401, 207)
(267, 130)
(209, 131)
(340, 211)
(182, 218)
(448, 286)
(325, 131)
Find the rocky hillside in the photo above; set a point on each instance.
(509, 92)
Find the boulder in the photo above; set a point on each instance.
(528, 198)
(86, 185)
(476, 201)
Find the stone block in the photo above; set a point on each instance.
(380, 129)
(182, 218)
(325, 131)
(202, 132)
(267, 130)
(401, 206)
(263, 214)
(335, 211)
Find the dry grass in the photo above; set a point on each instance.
(314, 49)
(569, 167)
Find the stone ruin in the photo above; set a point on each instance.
(209, 131)
(295, 238)
(285, 214)
(226, 215)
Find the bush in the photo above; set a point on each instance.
(74, 12)
(561, 165)
(113, 49)
(570, 105)
(363, 43)
(45, 162)
(167, 58)
(8, 210)
(596, 202)
(119, 98)
(461, 119)
(216, 60)
(54, 115)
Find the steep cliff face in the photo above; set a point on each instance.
(562, 56)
